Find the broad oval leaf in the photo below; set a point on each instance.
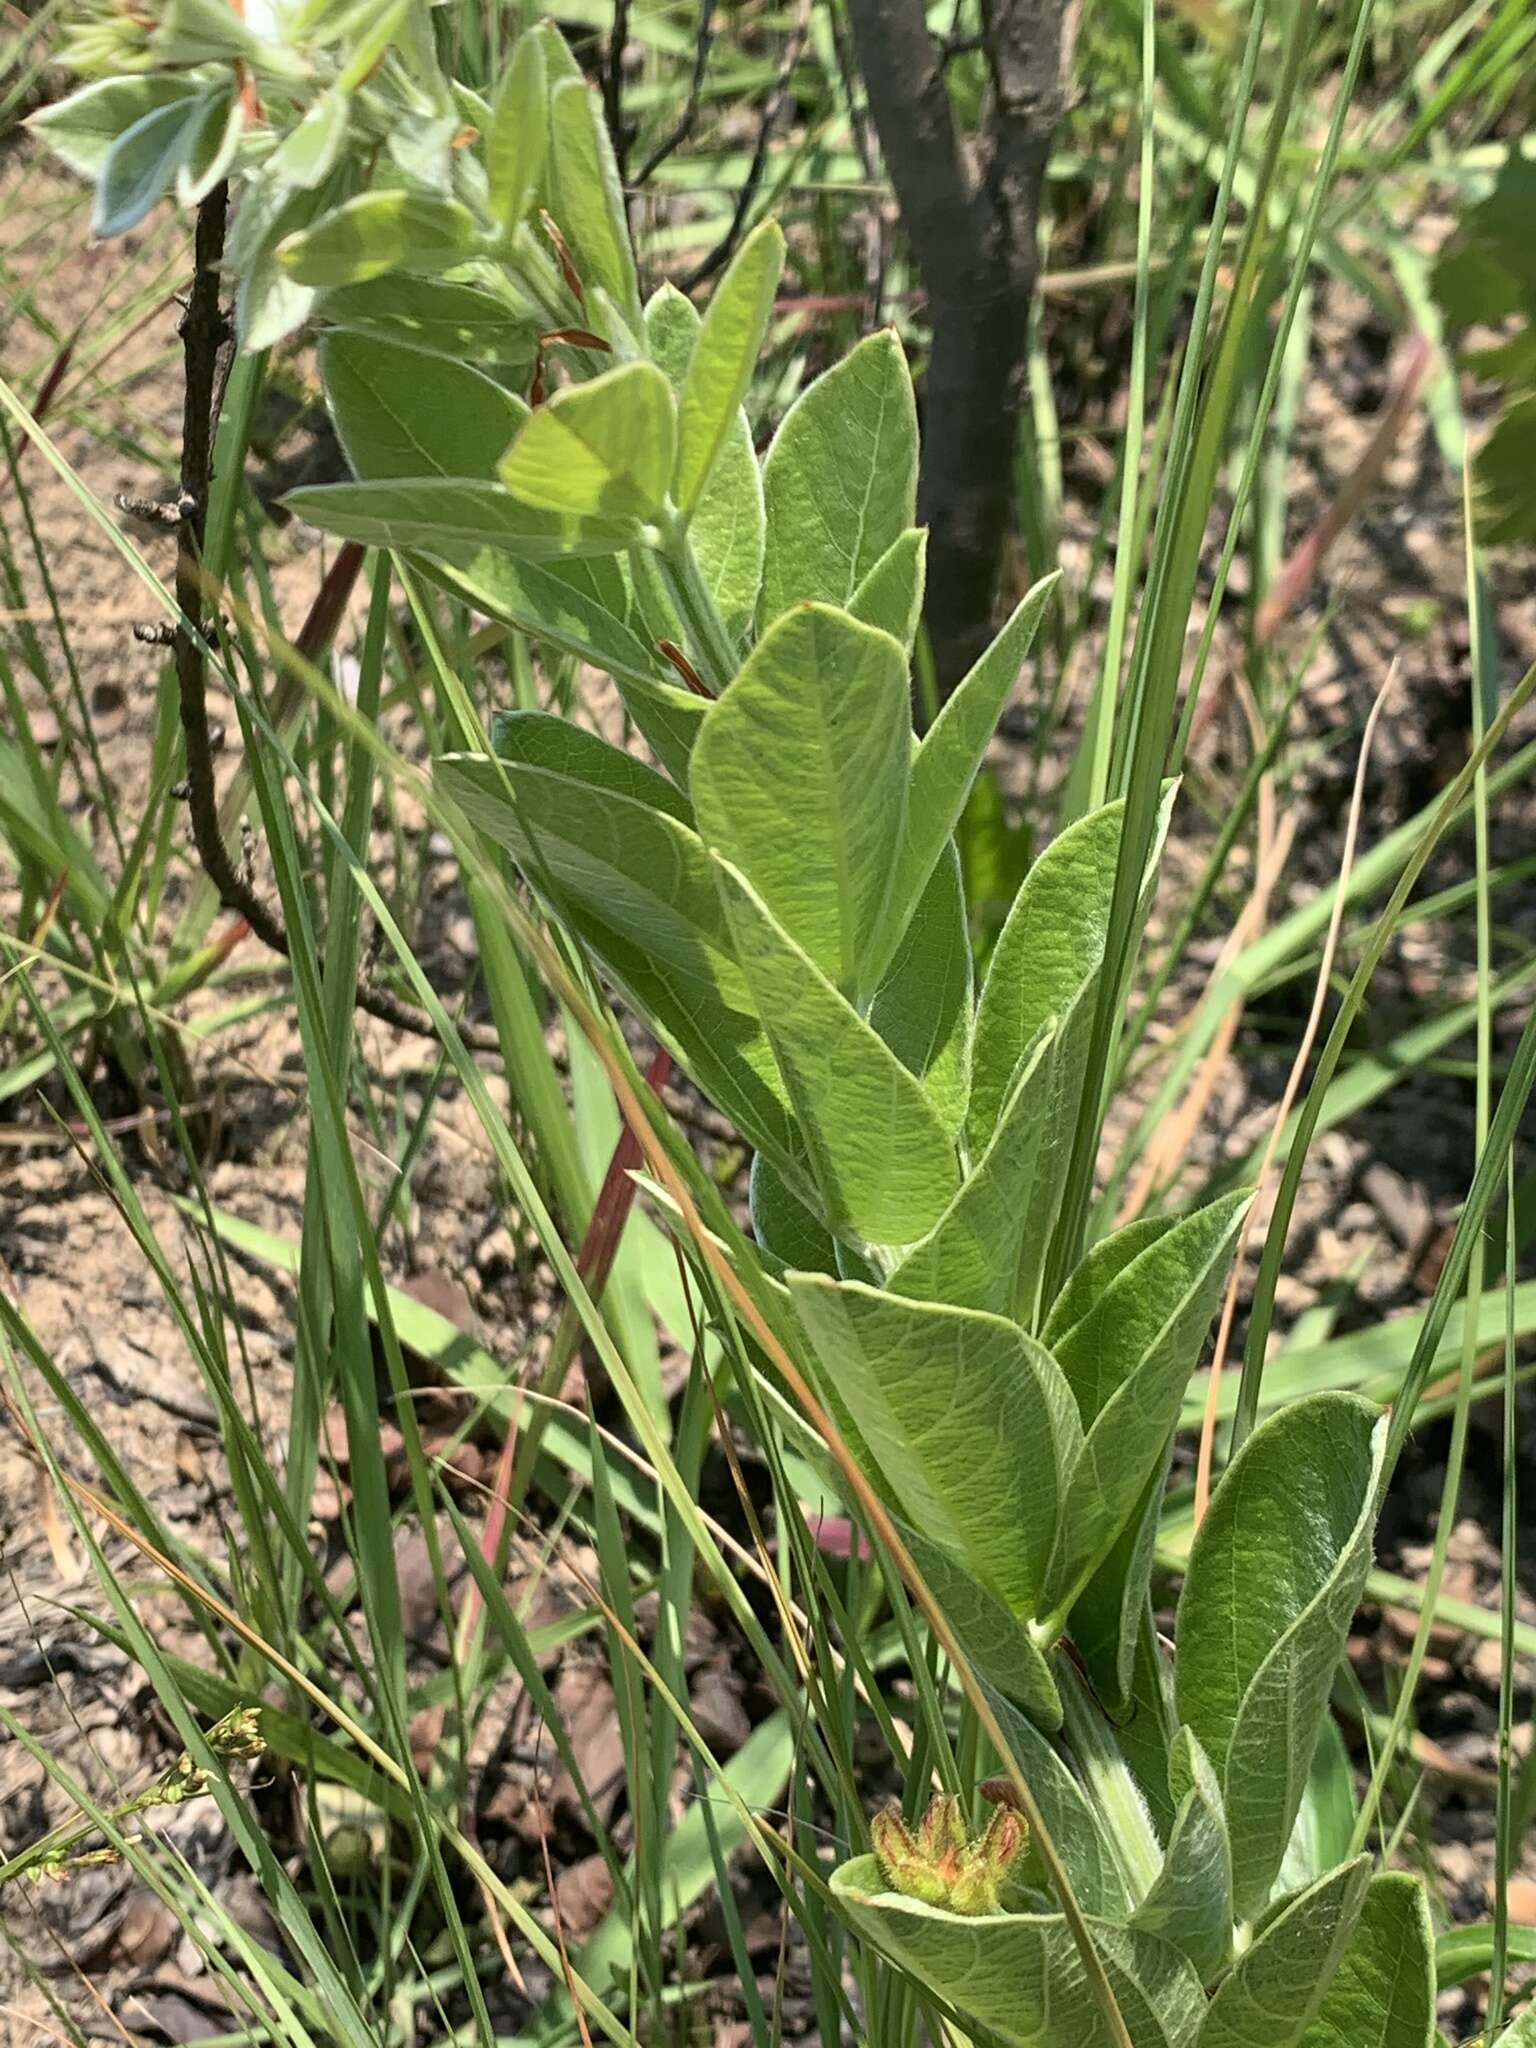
(637, 887)
(972, 1256)
(514, 148)
(1020, 1975)
(602, 449)
(724, 357)
(538, 739)
(1383, 1992)
(308, 156)
(1277, 1985)
(785, 1227)
(968, 1418)
(1128, 1359)
(449, 516)
(799, 778)
(81, 129)
(376, 232)
(211, 150)
(996, 1643)
(588, 197)
(891, 594)
(946, 763)
(1050, 948)
(923, 1007)
(840, 480)
(882, 1160)
(726, 529)
(1190, 1904)
(441, 317)
(399, 413)
(1275, 1573)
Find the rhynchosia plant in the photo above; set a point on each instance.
(777, 893)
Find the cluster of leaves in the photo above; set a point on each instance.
(780, 899)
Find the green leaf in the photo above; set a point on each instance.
(891, 595)
(881, 1158)
(1383, 1993)
(1020, 1975)
(1190, 1903)
(1049, 952)
(799, 777)
(209, 31)
(969, 1420)
(537, 739)
(724, 357)
(840, 481)
(588, 198)
(1484, 273)
(141, 165)
(1128, 1359)
(784, 1226)
(1462, 1953)
(1504, 477)
(81, 129)
(1277, 1985)
(923, 1006)
(1274, 1576)
(601, 448)
(308, 156)
(514, 148)
(999, 1646)
(212, 148)
(637, 888)
(726, 530)
(441, 317)
(446, 516)
(1325, 1822)
(1081, 1840)
(972, 1255)
(946, 763)
(401, 414)
(1108, 1614)
(376, 232)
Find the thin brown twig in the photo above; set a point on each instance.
(687, 120)
(773, 106)
(206, 347)
(613, 87)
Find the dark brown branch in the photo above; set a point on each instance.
(613, 87)
(773, 106)
(206, 345)
(972, 215)
(704, 36)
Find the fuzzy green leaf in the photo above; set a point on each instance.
(1020, 1975)
(1383, 1993)
(445, 516)
(602, 449)
(636, 885)
(442, 317)
(891, 595)
(538, 739)
(785, 1227)
(309, 154)
(1272, 1993)
(399, 413)
(799, 778)
(1128, 1359)
(969, 1420)
(998, 1645)
(840, 481)
(971, 1258)
(923, 1008)
(377, 232)
(726, 529)
(211, 150)
(881, 1158)
(515, 145)
(142, 163)
(953, 749)
(81, 129)
(588, 197)
(1275, 1573)
(1049, 951)
(723, 359)
(1190, 1904)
